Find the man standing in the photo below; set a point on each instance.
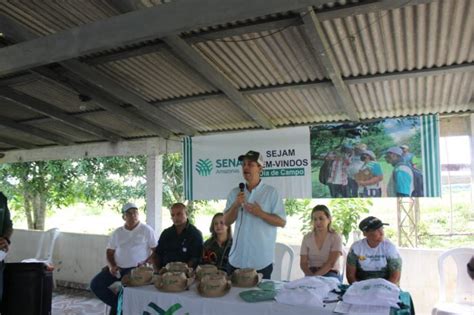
(401, 182)
(338, 179)
(374, 256)
(355, 165)
(257, 210)
(6, 230)
(129, 246)
(407, 156)
(180, 242)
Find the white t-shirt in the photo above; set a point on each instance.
(378, 262)
(132, 247)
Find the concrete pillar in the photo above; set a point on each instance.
(154, 192)
(471, 137)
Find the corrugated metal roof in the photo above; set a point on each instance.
(413, 37)
(414, 96)
(211, 115)
(263, 58)
(157, 76)
(418, 59)
(48, 17)
(57, 95)
(300, 106)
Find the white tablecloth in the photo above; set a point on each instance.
(137, 300)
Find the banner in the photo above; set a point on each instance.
(212, 169)
(382, 158)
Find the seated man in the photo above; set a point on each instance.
(180, 242)
(373, 256)
(6, 230)
(470, 268)
(129, 246)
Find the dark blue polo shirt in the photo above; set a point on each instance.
(185, 247)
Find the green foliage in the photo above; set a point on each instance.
(93, 181)
(346, 214)
(391, 234)
(173, 179)
(295, 206)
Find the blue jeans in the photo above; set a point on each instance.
(333, 274)
(353, 188)
(101, 282)
(266, 272)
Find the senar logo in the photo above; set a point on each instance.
(204, 167)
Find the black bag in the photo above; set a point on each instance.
(28, 289)
(417, 183)
(325, 172)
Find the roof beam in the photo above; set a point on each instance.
(367, 7)
(197, 62)
(201, 37)
(99, 80)
(323, 52)
(17, 143)
(35, 131)
(18, 33)
(148, 146)
(262, 26)
(102, 100)
(163, 20)
(44, 108)
(465, 67)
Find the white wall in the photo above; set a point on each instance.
(78, 257)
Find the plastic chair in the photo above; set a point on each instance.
(343, 260)
(281, 250)
(45, 247)
(464, 295)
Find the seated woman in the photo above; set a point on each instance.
(321, 249)
(217, 247)
(374, 256)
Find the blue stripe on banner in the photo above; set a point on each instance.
(185, 167)
(424, 157)
(428, 156)
(437, 164)
(188, 171)
(190, 180)
(430, 150)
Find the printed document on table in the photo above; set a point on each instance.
(344, 308)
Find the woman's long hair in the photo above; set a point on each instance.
(326, 211)
(211, 228)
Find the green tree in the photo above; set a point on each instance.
(35, 187)
(173, 181)
(346, 214)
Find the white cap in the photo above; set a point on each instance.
(128, 205)
(369, 153)
(395, 150)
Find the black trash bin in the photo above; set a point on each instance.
(27, 290)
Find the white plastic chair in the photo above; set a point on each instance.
(281, 250)
(343, 260)
(44, 253)
(464, 295)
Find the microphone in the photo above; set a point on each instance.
(241, 187)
